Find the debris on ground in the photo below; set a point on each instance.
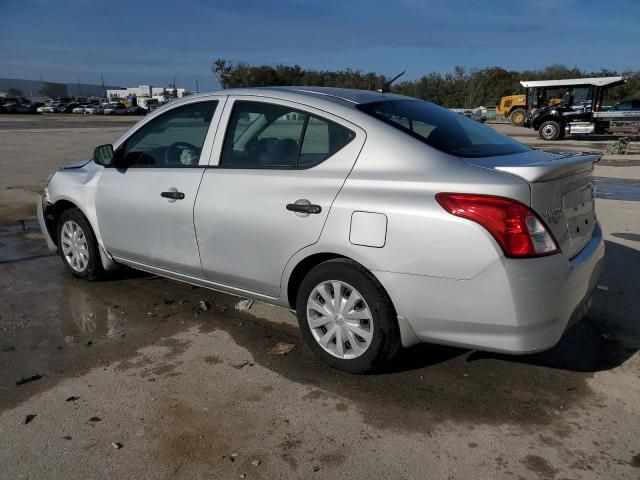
(89, 343)
(316, 469)
(242, 475)
(73, 398)
(244, 304)
(242, 364)
(67, 437)
(32, 378)
(9, 348)
(256, 462)
(606, 336)
(169, 302)
(117, 445)
(620, 147)
(282, 348)
(603, 287)
(204, 306)
(95, 419)
(29, 417)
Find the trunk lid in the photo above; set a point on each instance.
(562, 191)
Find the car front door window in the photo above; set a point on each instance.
(174, 139)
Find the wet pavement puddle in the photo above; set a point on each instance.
(617, 189)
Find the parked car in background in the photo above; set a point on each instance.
(51, 108)
(79, 109)
(136, 111)
(625, 106)
(115, 109)
(18, 105)
(93, 110)
(67, 107)
(478, 114)
(380, 219)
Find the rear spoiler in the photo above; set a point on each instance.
(544, 170)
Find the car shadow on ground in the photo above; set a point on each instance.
(610, 334)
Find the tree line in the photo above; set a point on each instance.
(458, 89)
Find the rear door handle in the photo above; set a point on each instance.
(172, 195)
(304, 208)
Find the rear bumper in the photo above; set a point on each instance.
(513, 306)
(43, 224)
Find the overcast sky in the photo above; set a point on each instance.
(135, 42)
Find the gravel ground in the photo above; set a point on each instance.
(191, 393)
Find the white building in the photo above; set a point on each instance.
(162, 95)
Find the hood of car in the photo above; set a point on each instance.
(76, 164)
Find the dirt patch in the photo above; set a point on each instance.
(212, 360)
(540, 466)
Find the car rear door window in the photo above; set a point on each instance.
(174, 139)
(263, 135)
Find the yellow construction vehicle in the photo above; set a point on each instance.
(513, 108)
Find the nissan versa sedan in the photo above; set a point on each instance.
(381, 220)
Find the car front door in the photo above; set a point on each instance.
(273, 178)
(145, 202)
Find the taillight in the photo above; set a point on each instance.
(516, 228)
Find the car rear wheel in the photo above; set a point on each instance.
(550, 130)
(346, 317)
(517, 117)
(78, 247)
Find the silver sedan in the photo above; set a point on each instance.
(382, 220)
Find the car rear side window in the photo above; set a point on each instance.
(321, 140)
(442, 129)
(263, 135)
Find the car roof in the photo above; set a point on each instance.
(341, 96)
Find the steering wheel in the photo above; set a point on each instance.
(171, 154)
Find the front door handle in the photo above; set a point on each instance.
(304, 208)
(172, 195)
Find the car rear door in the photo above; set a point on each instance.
(145, 204)
(273, 177)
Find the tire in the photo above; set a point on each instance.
(550, 130)
(375, 341)
(85, 266)
(517, 117)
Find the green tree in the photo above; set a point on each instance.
(458, 89)
(15, 92)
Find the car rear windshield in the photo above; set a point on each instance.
(443, 129)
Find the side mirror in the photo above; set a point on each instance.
(567, 100)
(104, 155)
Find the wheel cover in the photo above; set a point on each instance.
(549, 131)
(518, 117)
(339, 319)
(74, 246)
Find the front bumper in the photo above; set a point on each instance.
(43, 224)
(514, 306)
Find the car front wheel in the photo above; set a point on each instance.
(346, 317)
(77, 246)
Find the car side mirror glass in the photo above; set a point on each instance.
(567, 100)
(104, 155)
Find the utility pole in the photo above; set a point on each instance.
(197, 90)
(79, 91)
(103, 87)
